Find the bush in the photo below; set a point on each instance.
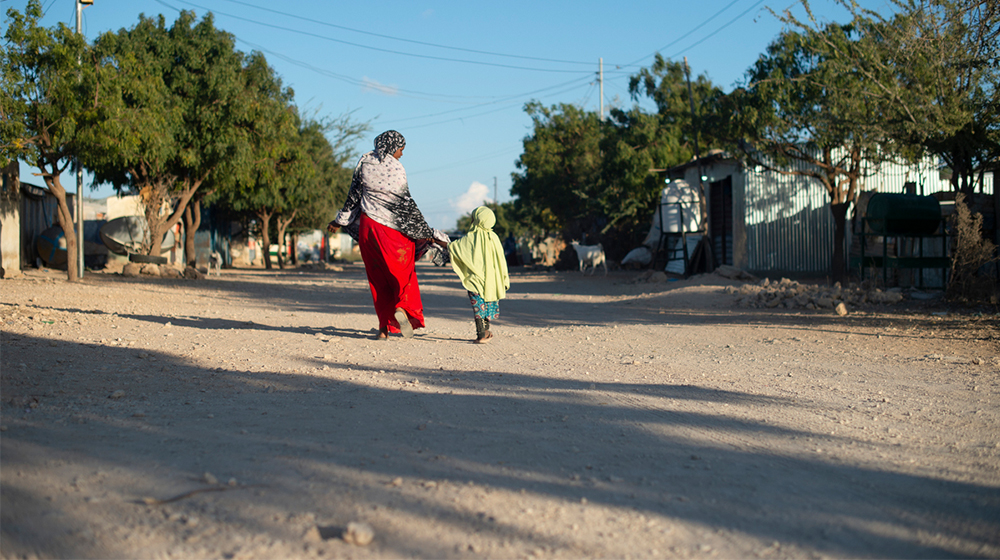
(971, 280)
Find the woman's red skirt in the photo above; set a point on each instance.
(392, 276)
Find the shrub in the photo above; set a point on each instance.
(971, 280)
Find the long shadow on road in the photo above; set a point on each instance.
(495, 429)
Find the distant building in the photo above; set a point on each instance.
(774, 224)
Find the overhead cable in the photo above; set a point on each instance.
(358, 45)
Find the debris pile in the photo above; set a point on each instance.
(791, 294)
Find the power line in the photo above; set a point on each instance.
(354, 81)
(462, 49)
(362, 83)
(682, 37)
(710, 35)
(574, 83)
(475, 159)
(485, 112)
(358, 45)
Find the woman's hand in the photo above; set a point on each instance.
(440, 242)
(332, 227)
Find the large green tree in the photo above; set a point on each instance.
(188, 109)
(580, 175)
(331, 147)
(558, 179)
(801, 114)
(50, 90)
(933, 69)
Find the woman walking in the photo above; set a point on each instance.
(382, 217)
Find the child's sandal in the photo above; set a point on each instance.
(485, 338)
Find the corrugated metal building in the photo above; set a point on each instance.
(771, 223)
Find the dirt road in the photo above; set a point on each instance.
(607, 419)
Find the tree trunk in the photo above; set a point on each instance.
(66, 222)
(265, 233)
(192, 221)
(153, 196)
(838, 265)
(282, 227)
(281, 244)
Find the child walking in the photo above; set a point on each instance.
(479, 261)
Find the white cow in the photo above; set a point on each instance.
(590, 256)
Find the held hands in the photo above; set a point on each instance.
(332, 227)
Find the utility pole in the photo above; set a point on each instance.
(600, 80)
(79, 168)
(496, 201)
(697, 155)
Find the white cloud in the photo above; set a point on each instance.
(373, 85)
(472, 198)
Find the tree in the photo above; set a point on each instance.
(681, 118)
(333, 165)
(188, 109)
(45, 100)
(799, 107)
(558, 181)
(934, 69)
(584, 176)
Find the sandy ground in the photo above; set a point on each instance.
(606, 420)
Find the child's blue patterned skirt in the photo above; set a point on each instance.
(484, 309)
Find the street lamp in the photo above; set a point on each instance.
(79, 168)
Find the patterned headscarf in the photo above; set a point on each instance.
(387, 143)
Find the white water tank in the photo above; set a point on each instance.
(680, 208)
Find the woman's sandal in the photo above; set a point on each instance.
(486, 338)
(404, 323)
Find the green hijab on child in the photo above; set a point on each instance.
(478, 258)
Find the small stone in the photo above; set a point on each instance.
(360, 534)
(312, 535)
(398, 481)
(232, 482)
(841, 309)
(210, 478)
(117, 394)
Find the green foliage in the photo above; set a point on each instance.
(184, 109)
(933, 68)
(332, 164)
(47, 97)
(801, 105)
(559, 171)
(580, 176)
(665, 83)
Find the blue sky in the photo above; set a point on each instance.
(453, 77)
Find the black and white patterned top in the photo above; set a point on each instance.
(379, 189)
